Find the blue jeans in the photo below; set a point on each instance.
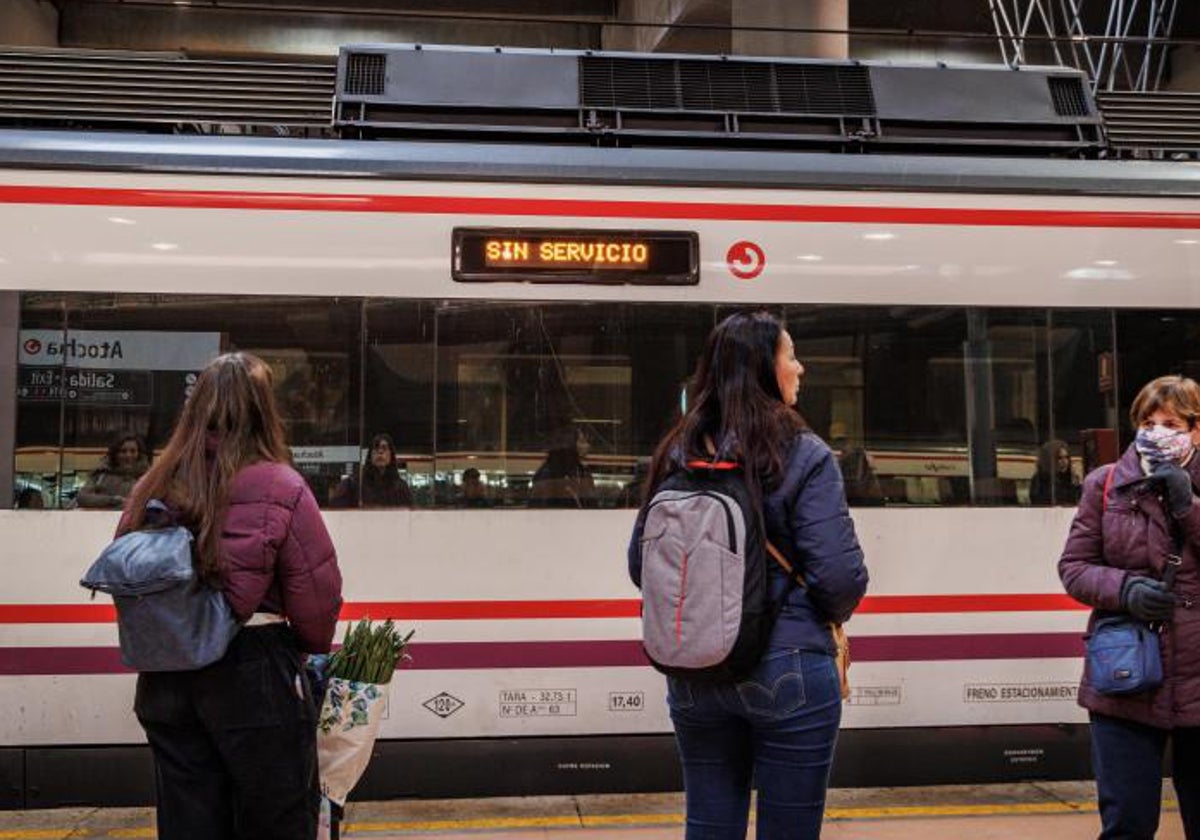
(778, 727)
(1127, 759)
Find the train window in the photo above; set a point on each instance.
(535, 400)
(1007, 403)
(886, 388)
(1083, 407)
(102, 378)
(499, 403)
(1153, 343)
(557, 405)
(394, 467)
(37, 462)
(947, 406)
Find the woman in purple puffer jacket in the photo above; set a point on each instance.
(1114, 561)
(234, 743)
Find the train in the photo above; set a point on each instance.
(957, 315)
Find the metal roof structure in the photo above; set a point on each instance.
(183, 82)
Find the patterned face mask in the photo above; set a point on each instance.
(1159, 443)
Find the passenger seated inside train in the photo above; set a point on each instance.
(124, 463)
(1054, 482)
(474, 492)
(563, 479)
(378, 483)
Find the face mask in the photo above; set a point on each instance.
(1160, 443)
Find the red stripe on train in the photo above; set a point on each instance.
(594, 608)
(591, 208)
(1044, 602)
(441, 656)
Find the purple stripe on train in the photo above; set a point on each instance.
(440, 656)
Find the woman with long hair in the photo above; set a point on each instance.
(379, 483)
(127, 459)
(234, 743)
(1053, 481)
(776, 728)
(1136, 528)
(564, 479)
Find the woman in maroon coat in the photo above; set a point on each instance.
(1114, 561)
(234, 743)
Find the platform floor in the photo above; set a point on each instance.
(1057, 810)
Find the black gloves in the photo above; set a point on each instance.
(1176, 486)
(1147, 599)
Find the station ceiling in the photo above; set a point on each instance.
(272, 27)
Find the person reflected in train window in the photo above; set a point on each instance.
(778, 726)
(378, 483)
(474, 491)
(1053, 481)
(234, 743)
(564, 479)
(126, 460)
(30, 498)
(1131, 517)
(858, 474)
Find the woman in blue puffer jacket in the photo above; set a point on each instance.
(776, 729)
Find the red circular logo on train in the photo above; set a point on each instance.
(745, 259)
(32, 346)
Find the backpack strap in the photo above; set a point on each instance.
(776, 554)
(837, 632)
(782, 561)
(711, 465)
(1108, 480)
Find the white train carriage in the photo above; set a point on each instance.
(956, 316)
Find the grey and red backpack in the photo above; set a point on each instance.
(706, 606)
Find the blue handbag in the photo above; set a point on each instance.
(167, 620)
(1123, 656)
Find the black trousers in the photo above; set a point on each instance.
(1127, 758)
(234, 744)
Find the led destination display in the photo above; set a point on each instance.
(566, 253)
(575, 256)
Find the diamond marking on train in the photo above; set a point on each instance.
(443, 705)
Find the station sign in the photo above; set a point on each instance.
(110, 368)
(118, 349)
(125, 388)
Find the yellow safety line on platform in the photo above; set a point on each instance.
(633, 819)
(463, 825)
(516, 822)
(996, 809)
(611, 820)
(599, 821)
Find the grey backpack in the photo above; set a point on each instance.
(706, 611)
(167, 619)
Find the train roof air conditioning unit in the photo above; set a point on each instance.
(689, 100)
